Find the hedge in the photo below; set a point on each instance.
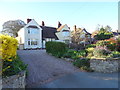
(56, 48)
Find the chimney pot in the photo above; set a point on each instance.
(59, 24)
(43, 24)
(28, 20)
(75, 27)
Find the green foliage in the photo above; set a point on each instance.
(57, 49)
(83, 64)
(103, 34)
(114, 54)
(90, 51)
(15, 67)
(90, 46)
(109, 44)
(101, 43)
(100, 53)
(75, 54)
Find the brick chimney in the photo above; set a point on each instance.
(43, 24)
(75, 27)
(28, 20)
(59, 24)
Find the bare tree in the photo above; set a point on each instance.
(13, 26)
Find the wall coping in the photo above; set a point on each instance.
(104, 59)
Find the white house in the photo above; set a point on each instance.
(34, 35)
(30, 36)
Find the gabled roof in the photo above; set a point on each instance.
(60, 28)
(49, 32)
(86, 31)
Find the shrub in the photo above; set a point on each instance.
(14, 67)
(83, 64)
(8, 47)
(8, 53)
(75, 54)
(114, 54)
(103, 34)
(90, 52)
(82, 53)
(102, 43)
(100, 52)
(90, 46)
(57, 49)
(110, 44)
(70, 53)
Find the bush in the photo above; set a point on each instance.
(57, 49)
(90, 52)
(14, 67)
(114, 54)
(103, 34)
(8, 47)
(75, 54)
(8, 53)
(83, 64)
(70, 53)
(90, 46)
(100, 52)
(110, 44)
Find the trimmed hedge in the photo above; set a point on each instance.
(57, 49)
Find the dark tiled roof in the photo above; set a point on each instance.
(49, 32)
(115, 33)
(32, 27)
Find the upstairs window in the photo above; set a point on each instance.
(65, 33)
(33, 30)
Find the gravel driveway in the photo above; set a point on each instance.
(44, 68)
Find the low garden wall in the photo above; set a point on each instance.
(105, 65)
(15, 81)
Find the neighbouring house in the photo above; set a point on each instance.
(34, 35)
(48, 34)
(63, 33)
(83, 36)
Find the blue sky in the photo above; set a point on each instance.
(82, 14)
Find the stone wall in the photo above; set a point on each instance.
(105, 65)
(15, 81)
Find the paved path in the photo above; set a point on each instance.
(84, 80)
(44, 68)
(46, 71)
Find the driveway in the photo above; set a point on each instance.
(46, 71)
(44, 68)
(84, 80)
